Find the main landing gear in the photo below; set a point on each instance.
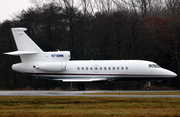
(148, 84)
(81, 86)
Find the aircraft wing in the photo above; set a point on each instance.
(84, 80)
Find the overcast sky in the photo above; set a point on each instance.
(10, 7)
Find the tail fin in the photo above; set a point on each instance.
(24, 43)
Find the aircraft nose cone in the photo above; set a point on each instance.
(172, 74)
(168, 73)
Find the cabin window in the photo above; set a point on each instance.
(82, 68)
(126, 68)
(122, 68)
(113, 68)
(78, 68)
(104, 68)
(109, 68)
(100, 68)
(86, 68)
(117, 68)
(91, 68)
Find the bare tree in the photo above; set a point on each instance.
(144, 8)
(173, 7)
(39, 3)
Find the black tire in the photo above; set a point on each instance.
(148, 88)
(81, 86)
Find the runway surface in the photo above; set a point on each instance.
(78, 93)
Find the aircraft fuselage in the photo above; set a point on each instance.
(98, 70)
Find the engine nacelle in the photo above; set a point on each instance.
(19, 67)
(52, 67)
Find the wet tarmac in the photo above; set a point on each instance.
(79, 93)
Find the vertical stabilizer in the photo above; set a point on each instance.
(27, 49)
(23, 41)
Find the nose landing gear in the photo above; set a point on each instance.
(148, 84)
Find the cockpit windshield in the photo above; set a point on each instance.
(158, 66)
(154, 66)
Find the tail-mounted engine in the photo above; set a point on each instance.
(54, 61)
(52, 67)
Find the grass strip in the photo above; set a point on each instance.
(87, 106)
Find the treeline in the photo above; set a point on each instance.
(96, 30)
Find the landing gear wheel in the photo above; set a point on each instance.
(81, 86)
(148, 88)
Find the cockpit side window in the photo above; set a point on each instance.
(150, 66)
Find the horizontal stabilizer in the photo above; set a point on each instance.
(21, 52)
(84, 80)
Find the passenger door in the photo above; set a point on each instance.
(96, 68)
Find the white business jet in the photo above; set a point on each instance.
(56, 65)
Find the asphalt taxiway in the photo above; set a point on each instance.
(78, 93)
